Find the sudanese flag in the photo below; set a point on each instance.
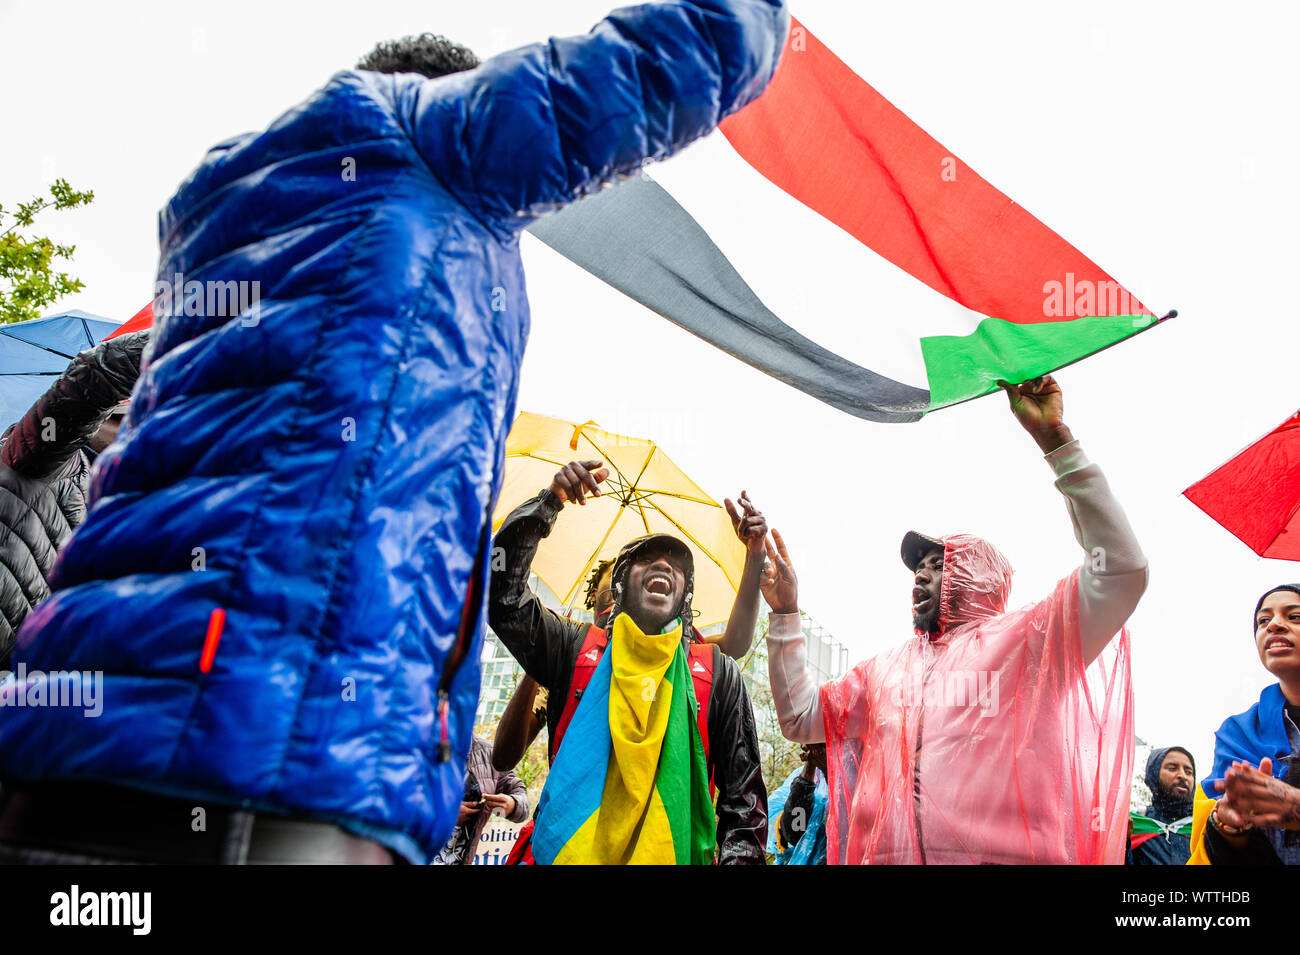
(1026, 301)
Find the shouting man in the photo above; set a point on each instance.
(650, 717)
(987, 737)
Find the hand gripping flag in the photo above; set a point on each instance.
(1030, 302)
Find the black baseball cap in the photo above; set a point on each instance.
(666, 542)
(916, 546)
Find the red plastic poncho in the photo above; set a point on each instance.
(989, 743)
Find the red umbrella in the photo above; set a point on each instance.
(139, 322)
(1256, 495)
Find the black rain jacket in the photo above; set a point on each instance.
(45, 472)
(546, 646)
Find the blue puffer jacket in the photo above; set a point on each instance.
(322, 465)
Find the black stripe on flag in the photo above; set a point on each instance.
(638, 238)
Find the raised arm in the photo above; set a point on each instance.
(1113, 576)
(534, 635)
(795, 693)
(534, 129)
(71, 411)
(751, 527)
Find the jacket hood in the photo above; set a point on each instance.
(1163, 806)
(976, 581)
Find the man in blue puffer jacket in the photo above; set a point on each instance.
(280, 579)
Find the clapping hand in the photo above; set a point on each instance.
(1253, 797)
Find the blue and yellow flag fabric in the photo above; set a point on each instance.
(630, 784)
(1246, 737)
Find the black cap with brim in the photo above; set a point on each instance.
(915, 547)
(676, 544)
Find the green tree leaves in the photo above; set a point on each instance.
(29, 278)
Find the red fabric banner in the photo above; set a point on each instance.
(835, 144)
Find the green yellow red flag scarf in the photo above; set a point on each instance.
(630, 785)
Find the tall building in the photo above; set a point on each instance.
(501, 673)
(828, 657)
(500, 676)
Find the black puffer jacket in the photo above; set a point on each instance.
(547, 647)
(45, 472)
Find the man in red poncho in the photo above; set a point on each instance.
(990, 736)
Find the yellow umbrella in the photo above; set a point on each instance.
(645, 494)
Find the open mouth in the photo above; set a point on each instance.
(660, 584)
(1278, 645)
(921, 600)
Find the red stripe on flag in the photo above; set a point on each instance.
(216, 623)
(835, 144)
(1141, 838)
(141, 321)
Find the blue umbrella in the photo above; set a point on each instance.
(34, 353)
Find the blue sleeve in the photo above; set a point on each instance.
(538, 127)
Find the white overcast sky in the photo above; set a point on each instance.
(1157, 137)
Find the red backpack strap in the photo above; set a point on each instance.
(701, 665)
(522, 851)
(593, 648)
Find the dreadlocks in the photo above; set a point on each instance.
(593, 582)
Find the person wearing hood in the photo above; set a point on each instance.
(644, 718)
(1247, 811)
(990, 736)
(1162, 834)
(45, 463)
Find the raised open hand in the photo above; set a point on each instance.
(779, 585)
